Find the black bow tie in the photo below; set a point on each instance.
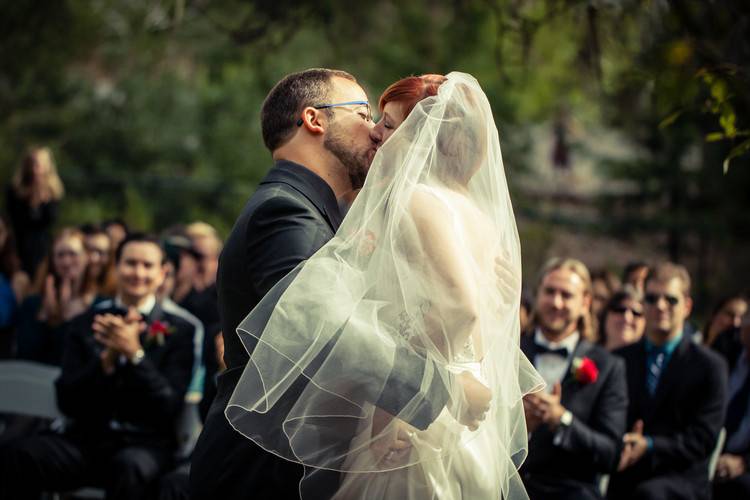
(543, 349)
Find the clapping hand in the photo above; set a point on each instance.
(635, 446)
(119, 335)
(543, 408)
(730, 466)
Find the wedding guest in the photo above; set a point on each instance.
(101, 262)
(182, 262)
(727, 314)
(32, 202)
(621, 322)
(60, 292)
(577, 424)
(635, 274)
(208, 245)
(126, 367)
(14, 285)
(732, 479)
(117, 231)
(677, 393)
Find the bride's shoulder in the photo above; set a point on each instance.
(427, 199)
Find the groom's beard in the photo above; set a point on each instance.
(356, 163)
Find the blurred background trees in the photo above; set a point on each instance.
(617, 117)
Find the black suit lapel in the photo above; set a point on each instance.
(156, 314)
(528, 347)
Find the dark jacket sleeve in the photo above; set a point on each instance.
(84, 391)
(697, 438)
(598, 441)
(153, 392)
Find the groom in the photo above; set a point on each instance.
(318, 126)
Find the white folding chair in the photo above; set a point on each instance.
(28, 388)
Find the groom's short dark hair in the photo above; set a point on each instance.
(289, 97)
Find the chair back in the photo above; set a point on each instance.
(28, 388)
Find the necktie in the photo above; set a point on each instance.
(543, 349)
(737, 407)
(654, 371)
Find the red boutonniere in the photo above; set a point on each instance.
(585, 370)
(157, 332)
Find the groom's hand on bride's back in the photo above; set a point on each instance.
(476, 401)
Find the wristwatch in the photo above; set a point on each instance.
(566, 419)
(137, 357)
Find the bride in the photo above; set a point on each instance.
(427, 259)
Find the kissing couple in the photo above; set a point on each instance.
(380, 266)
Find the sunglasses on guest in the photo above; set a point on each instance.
(653, 298)
(623, 309)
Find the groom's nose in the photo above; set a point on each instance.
(376, 136)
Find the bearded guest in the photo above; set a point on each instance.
(126, 366)
(677, 393)
(576, 425)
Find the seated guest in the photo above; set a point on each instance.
(101, 263)
(726, 315)
(60, 293)
(732, 479)
(14, 284)
(621, 322)
(126, 367)
(677, 393)
(577, 425)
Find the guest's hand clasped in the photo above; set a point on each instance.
(119, 335)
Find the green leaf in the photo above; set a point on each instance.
(715, 136)
(670, 119)
(736, 151)
(719, 90)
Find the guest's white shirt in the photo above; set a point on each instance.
(146, 307)
(553, 367)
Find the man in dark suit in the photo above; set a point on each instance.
(575, 427)
(732, 479)
(318, 127)
(127, 363)
(677, 392)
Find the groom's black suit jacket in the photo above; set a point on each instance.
(683, 418)
(291, 215)
(572, 458)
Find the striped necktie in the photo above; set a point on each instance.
(654, 371)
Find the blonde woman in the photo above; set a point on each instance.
(32, 202)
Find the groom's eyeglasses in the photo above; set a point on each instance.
(366, 116)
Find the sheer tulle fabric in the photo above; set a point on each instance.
(412, 268)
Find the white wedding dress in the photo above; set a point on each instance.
(468, 472)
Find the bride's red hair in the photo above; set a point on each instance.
(409, 91)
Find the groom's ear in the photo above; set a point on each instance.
(313, 120)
